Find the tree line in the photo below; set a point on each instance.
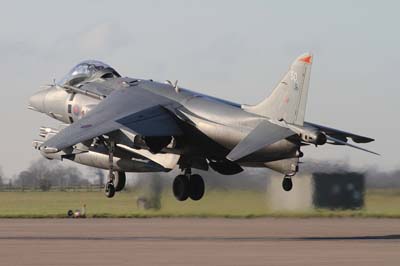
(43, 175)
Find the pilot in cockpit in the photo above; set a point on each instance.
(88, 70)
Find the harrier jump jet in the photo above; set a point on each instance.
(127, 124)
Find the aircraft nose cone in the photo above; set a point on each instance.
(36, 101)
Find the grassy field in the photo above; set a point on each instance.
(379, 203)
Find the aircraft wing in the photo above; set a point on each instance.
(132, 108)
(339, 134)
(266, 133)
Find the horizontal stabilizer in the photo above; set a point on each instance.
(264, 134)
(340, 142)
(340, 134)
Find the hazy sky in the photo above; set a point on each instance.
(236, 50)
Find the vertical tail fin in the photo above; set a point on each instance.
(288, 100)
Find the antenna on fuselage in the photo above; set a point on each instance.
(175, 85)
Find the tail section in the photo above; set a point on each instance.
(288, 100)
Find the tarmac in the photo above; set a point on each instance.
(200, 241)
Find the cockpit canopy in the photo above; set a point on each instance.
(86, 70)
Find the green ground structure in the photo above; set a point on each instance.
(28, 204)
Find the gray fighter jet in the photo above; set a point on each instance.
(135, 125)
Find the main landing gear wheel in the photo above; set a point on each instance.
(287, 183)
(187, 185)
(196, 187)
(180, 187)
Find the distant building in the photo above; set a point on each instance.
(339, 190)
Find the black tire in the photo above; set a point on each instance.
(110, 190)
(196, 187)
(70, 213)
(180, 187)
(287, 184)
(119, 181)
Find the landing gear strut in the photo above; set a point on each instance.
(188, 185)
(287, 183)
(110, 188)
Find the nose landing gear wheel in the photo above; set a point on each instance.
(119, 181)
(180, 187)
(109, 190)
(196, 187)
(287, 184)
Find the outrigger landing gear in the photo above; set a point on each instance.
(287, 183)
(188, 185)
(110, 188)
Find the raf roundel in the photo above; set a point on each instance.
(76, 110)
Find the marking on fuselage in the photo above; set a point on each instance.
(76, 110)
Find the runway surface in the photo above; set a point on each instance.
(191, 241)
